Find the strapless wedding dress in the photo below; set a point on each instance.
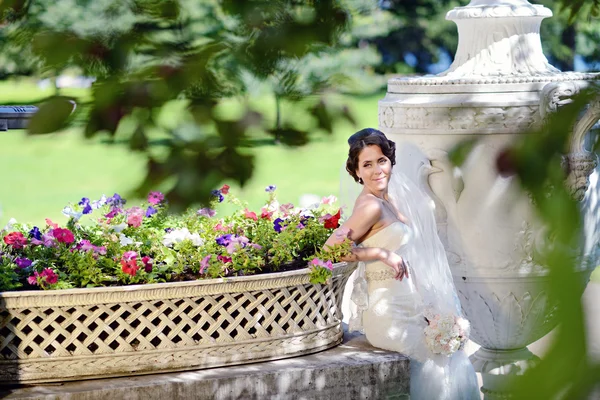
(394, 321)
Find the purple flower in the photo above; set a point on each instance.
(150, 211)
(277, 225)
(236, 243)
(116, 200)
(270, 188)
(218, 195)
(205, 263)
(167, 230)
(35, 233)
(206, 212)
(87, 207)
(23, 262)
(224, 240)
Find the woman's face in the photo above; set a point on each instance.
(374, 168)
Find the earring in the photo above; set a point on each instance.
(360, 181)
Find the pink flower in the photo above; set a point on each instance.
(50, 223)
(329, 199)
(33, 279)
(250, 215)
(205, 263)
(129, 255)
(221, 227)
(135, 216)
(315, 262)
(63, 235)
(286, 208)
(265, 213)
(224, 189)
(155, 198)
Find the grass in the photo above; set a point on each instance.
(39, 175)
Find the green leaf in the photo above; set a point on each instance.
(51, 116)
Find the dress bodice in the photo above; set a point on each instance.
(391, 238)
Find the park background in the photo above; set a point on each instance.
(41, 174)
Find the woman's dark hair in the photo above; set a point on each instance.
(368, 137)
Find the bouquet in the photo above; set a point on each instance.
(445, 333)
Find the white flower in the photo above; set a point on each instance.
(68, 211)
(119, 228)
(11, 223)
(196, 239)
(176, 236)
(329, 199)
(124, 240)
(99, 203)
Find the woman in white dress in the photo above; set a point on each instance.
(403, 269)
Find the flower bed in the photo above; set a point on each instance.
(75, 334)
(143, 291)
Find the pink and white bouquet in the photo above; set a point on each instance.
(445, 333)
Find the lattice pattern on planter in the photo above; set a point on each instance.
(117, 328)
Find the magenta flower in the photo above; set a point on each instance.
(148, 262)
(224, 259)
(155, 198)
(135, 216)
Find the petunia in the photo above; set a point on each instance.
(47, 240)
(265, 214)
(135, 215)
(124, 240)
(155, 198)
(35, 233)
(278, 225)
(206, 212)
(113, 212)
(11, 223)
(148, 262)
(51, 224)
(270, 188)
(250, 215)
(236, 243)
(70, 212)
(63, 235)
(224, 259)
(333, 221)
(286, 209)
(99, 203)
(224, 189)
(329, 200)
(116, 201)
(150, 211)
(49, 276)
(16, 240)
(205, 263)
(23, 262)
(224, 240)
(218, 195)
(85, 203)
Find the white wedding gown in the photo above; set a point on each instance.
(393, 321)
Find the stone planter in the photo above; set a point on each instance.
(75, 334)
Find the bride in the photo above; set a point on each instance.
(403, 284)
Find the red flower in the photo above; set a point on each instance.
(130, 266)
(265, 214)
(15, 239)
(334, 221)
(63, 235)
(250, 214)
(224, 189)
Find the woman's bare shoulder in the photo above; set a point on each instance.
(368, 204)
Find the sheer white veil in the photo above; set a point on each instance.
(425, 251)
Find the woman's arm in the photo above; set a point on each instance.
(360, 222)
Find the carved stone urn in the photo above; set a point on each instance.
(500, 86)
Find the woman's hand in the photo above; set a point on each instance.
(397, 263)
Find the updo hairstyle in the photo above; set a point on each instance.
(368, 137)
